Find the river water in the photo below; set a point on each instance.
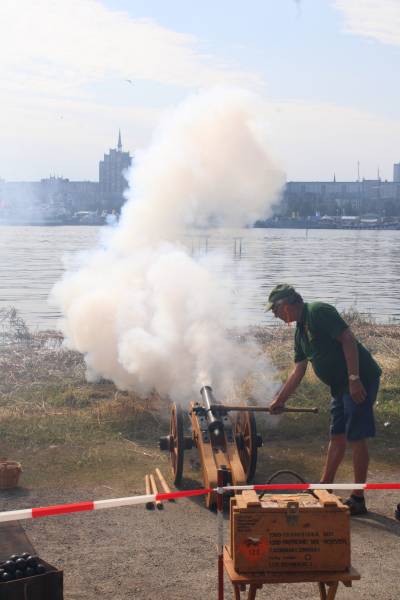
(351, 269)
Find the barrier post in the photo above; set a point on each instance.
(220, 524)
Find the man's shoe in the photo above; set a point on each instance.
(356, 505)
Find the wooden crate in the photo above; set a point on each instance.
(46, 586)
(289, 533)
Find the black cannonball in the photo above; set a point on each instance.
(14, 557)
(30, 571)
(10, 566)
(40, 569)
(18, 574)
(21, 564)
(7, 576)
(25, 555)
(32, 560)
(397, 512)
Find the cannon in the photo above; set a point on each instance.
(222, 442)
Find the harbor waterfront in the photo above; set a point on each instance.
(354, 269)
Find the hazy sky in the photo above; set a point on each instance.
(75, 71)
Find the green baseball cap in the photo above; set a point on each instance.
(282, 291)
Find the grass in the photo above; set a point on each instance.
(66, 430)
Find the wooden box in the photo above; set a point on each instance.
(46, 586)
(289, 533)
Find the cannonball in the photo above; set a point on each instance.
(40, 569)
(21, 564)
(10, 566)
(32, 560)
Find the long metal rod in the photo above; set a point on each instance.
(243, 408)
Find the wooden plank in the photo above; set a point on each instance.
(13, 540)
(322, 591)
(332, 590)
(164, 484)
(208, 466)
(328, 499)
(149, 505)
(250, 498)
(153, 486)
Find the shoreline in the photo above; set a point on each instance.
(303, 224)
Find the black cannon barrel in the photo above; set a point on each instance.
(215, 426)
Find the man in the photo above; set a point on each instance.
(323, 338)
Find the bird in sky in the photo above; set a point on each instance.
(129, 81)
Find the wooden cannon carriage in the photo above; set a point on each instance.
(222, 441)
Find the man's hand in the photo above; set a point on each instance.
(278, 403)
(357, 391)
(276, 407)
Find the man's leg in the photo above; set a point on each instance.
(360, 463)
(335, 455)
(360, 426)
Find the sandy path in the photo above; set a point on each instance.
(127, 553)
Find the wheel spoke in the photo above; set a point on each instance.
(177, 443)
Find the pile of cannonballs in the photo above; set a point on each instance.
(19, 566)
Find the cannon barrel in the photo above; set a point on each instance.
(215, 426)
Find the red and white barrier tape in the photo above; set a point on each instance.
(62, 509)
(314, 486)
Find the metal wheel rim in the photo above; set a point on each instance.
(177, 443)
(246, 427)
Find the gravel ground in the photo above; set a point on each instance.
(170, 554)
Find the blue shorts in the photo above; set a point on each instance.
(355, 420)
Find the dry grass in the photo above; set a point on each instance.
(61, 426)
(53, 420)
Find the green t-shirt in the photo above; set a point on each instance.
(315, 340)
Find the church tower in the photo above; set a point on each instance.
(112, 177)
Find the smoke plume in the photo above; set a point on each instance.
(146, 314)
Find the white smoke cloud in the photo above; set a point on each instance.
(142, 310)
(375, 19)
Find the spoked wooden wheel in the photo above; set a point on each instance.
(247, 442)
(176, 446)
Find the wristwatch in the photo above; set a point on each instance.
(354, 377)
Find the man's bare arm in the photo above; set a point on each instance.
(350, 351)
(290, 385)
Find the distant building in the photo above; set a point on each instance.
(396, 172)
(36, 201)
(112, 177)
(84, 195)
(19, 198)
(305, 198)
